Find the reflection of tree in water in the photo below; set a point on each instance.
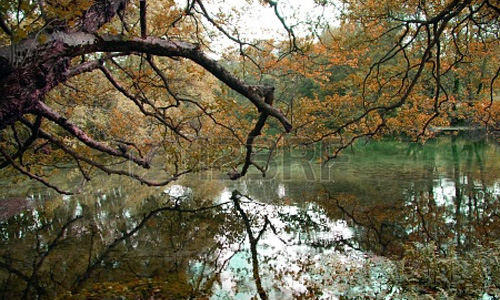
(253, 240)
(452, 203)
(108, 248)
(449, 217)
(138, 249)
(377, 229)
(293, 252)
(464, 215)
(272, 242)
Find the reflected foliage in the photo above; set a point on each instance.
(107, 246)
(443, 223)
(393, 220)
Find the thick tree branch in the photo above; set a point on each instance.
(155, 46)
(55, 55)
(256, 93)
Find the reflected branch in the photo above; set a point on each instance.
(96, 262)
(253, 242)
(33, 280)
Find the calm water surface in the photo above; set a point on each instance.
(305, 230)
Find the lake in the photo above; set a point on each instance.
(385, 220)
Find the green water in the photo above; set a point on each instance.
(323, 231)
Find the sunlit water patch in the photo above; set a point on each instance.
(303, 252)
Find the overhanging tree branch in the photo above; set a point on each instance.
(30, 69)
(155, 46)
(80, 158)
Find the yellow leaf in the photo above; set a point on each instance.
(24, 6)
(43, 38)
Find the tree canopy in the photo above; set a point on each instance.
(119, 86)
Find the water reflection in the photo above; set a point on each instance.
(295, 248)
(272, 238)
(83, 243)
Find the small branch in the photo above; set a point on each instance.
(4, 26)
(43, 11)
(90, 66)
(27, 143)
(221, 29)
(142, 16)
(31, 175)
(77, 157)
(47, 112)
(139, 102)
(256, 131)
(291, 33)
(215, 121)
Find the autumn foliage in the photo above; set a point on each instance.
(115, 86)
